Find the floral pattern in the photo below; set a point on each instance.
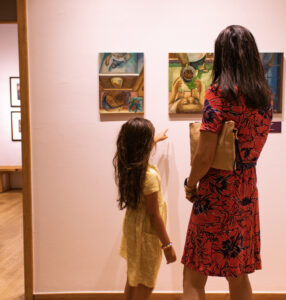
(223, 236)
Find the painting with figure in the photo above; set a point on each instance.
(190, 74)
(121, 83)
(273, 68)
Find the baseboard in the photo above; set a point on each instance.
(155, 296)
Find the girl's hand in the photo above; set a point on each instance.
(161, 136)
(170, 255)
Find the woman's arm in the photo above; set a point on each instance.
(159, 226)
(203, 157)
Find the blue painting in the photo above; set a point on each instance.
(121, 83)
(273, 67)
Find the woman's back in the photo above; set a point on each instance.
(252, 124)
(225, 215)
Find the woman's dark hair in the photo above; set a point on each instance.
(237, 69)
(134, 144)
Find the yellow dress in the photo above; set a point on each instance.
(140, 245)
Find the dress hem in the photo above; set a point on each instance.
(206, 272)
(140, 283)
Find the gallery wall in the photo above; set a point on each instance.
(77, 225)
(10, 152)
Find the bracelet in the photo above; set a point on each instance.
(167, 246)
(189, 190)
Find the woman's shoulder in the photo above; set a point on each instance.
(214, 93)
(214, 98)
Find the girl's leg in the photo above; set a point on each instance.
(239, 287)
(194, 285)
(142, 292)
(128, 291)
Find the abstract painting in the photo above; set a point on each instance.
(190, 75)
(121, 83)
(273, 68)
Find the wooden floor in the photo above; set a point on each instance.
(11, 246)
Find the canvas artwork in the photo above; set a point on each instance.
(273, 68)
(15, 92)
(190, 75)
(16, 126)
(121, 83)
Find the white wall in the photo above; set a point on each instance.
(10, 152)
(77, 226)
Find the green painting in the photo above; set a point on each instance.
(190, 74)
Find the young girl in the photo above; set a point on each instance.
(139, 186)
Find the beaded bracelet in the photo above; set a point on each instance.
(167, 246)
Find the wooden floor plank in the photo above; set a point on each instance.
(155, 296)
(11, 246)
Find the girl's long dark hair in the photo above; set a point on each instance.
(134, 144)
(237, 69)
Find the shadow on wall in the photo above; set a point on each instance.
(171, 188)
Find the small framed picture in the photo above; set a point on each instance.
(16, 126)
(15, 91)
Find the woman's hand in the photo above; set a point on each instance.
(170, 255)
(161, 136)
(191, 193)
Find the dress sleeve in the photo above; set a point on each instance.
(151, 183)
(212, 113)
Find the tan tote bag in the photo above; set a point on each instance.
(225, 151)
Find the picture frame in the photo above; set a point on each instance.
(190, 75)
(15, 99)
(16, 130)
(121, 83)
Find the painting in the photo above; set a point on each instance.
(15, 92)
(273, 68)
(190, 75)
(121, 83)
(16, 125)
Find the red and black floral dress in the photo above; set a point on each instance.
(223, 237)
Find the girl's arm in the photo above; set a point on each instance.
(160, 136)
(203, 158)
(159, 226)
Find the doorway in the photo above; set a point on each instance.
(16, 262)
(11, 212)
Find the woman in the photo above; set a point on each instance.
(223, 237)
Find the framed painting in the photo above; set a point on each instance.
(273, 68)
(15, 92)
(121, 83)
(190, 75)
(16, 126)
